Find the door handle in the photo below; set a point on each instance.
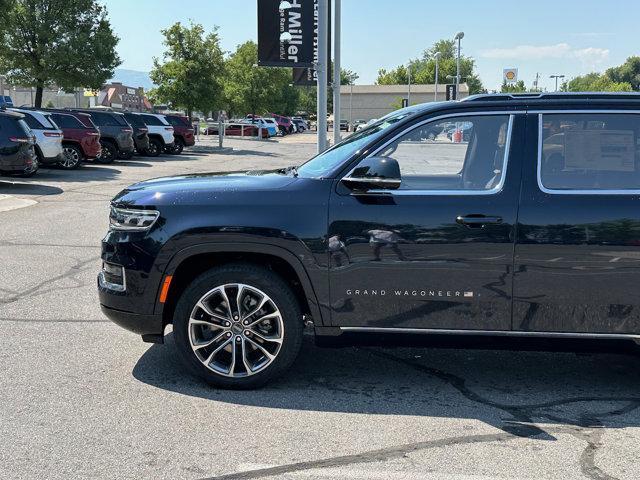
(477, 221)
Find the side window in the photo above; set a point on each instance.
(33, 122)
(152, 121)
(456, 154)
(589, 151)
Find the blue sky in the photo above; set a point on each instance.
(570, 37)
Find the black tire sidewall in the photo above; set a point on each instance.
(260, 278)
(154, 143)
(111, 148)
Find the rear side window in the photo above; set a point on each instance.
(589, 152)
(33, 122)
(177, 121)
(134, 120)
(153, 121)
(67, 121)
(120, 120)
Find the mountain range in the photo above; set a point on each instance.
(132, 78)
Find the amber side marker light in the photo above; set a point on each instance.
(165, 288)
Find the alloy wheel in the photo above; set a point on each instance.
(236, 330)
(71, 158)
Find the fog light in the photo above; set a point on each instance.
(113, 277)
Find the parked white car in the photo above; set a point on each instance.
(48, 136)
(160, 132)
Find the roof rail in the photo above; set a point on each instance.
(491, 97)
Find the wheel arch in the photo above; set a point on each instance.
(192, 261)
(158, 137)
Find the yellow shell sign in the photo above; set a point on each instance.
(510, 75)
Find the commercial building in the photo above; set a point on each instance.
(121, 97)
(374, 101)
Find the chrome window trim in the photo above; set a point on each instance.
(497, 189)
(503, 333)
(552, 191)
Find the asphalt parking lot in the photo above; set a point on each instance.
(82, 398)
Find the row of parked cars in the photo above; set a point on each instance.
(66, 138)
(266, 126)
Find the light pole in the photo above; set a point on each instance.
(437, 57)
(556, 78)
(321, 70)
(459, 36)
(409, 84)
(351, 104)
(336, 71)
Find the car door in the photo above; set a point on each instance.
(436, 253)
(577, 262)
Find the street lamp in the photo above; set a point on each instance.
(556, 78)
(409, 84)
(459, 36)
(437, 57)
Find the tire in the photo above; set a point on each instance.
(125, 155)
(73, 157)
(109, 153)
(155, 148)
(178, 147)
(283, 335)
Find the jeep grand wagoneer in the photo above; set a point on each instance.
(500, 215)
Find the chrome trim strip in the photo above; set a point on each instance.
(497, 189)
(551, 191)
(498, 333)
(116, 287)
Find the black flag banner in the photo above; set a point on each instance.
(286, 33)
(308, 76)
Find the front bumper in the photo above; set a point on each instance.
(149, 326)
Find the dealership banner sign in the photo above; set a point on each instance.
(286, 33)
(308, 76)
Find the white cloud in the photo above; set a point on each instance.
(590, 57)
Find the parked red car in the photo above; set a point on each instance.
(81, 138)
(182, 132)
(237, 130)
(285, 124)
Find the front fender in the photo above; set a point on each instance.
(313, 277)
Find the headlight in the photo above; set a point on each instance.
(132, 220)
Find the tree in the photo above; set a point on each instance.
(518, 87)
(257, 90)
(190, 74)
(595, 82)
(68, 43)
(423, 70)
(628, 72)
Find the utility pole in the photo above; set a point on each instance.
(321, 70)
(336, 71)
(536, 83)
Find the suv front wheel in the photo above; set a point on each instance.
(238, 326)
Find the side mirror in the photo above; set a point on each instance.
(374, 173)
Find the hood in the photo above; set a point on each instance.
(201, 188)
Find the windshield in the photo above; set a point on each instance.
(322, 164)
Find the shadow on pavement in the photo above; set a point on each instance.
(22, 188)
(512, 391)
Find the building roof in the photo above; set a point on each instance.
(398, 89)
